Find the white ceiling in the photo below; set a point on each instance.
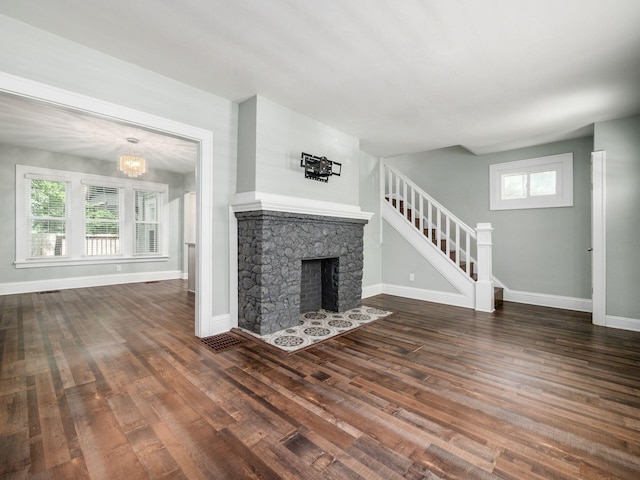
(403, 76)
(33, 124)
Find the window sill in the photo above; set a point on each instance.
(67, 262)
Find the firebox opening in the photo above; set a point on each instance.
(319, 285)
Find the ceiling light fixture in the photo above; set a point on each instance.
(132, 164)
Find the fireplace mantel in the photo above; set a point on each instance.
(259, 201)
(275, 235)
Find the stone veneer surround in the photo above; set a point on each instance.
(271, 248)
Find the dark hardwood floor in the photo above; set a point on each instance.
(110, 383)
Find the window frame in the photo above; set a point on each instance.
(29, 217)
(120, 221)
(136, 222)
(562, 164)
(76, 182)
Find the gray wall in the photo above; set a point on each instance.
(281, 135)
(11, 156)
(399, 259)
(37, 55)
(189, 180)
(535, 250)
(247, 117)
(621, 141)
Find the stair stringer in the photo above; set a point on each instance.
(460, 280)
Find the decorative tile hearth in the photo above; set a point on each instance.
(318, 326)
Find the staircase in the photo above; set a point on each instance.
(410, 210)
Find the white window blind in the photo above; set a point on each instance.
(47, 218)
(147, 225)
(102, 220)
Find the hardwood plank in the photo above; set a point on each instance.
(153, 455)
(54, 440)
(14, 408)
(71, 470)
(109, 382)
(14, 452)
(200, 438)
(105, 448)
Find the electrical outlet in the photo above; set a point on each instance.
(412, 277)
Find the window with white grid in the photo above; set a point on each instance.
(73, 218)
(542, 182)
(147, 230)
(101, 220)
(47, 218)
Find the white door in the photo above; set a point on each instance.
(598, 237)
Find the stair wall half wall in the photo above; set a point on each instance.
(400, 260)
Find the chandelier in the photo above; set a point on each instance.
(131, 164)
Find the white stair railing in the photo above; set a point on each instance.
(452, 237)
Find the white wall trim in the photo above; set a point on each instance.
(215, 325)
(447, 298)
(548, 300)
(372, 290)
(622, 323)
(599, 237)
(530, 298)
(233, 269)
(63, 262)
(204, 167)
(258, 201)
(85, 282)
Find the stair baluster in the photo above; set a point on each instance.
(411, 201)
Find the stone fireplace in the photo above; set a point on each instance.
(290, 263)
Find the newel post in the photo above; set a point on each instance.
(484, 284)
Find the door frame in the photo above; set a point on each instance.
(204, 322)
(599, 237)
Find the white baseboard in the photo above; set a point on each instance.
(623, 323)
(447, 298)
(82, 282)
(372, 290)
(455, 299)
(216, 324)
(547, 300)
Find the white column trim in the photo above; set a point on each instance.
(485, 301)
(233, 268)
(599, 237)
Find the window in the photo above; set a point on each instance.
(535, 183)
(147, 224)
(101, 220)
(47, 218)
(71, 218)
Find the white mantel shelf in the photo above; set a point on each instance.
(259, 201)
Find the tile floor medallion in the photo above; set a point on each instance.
(318, 326)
